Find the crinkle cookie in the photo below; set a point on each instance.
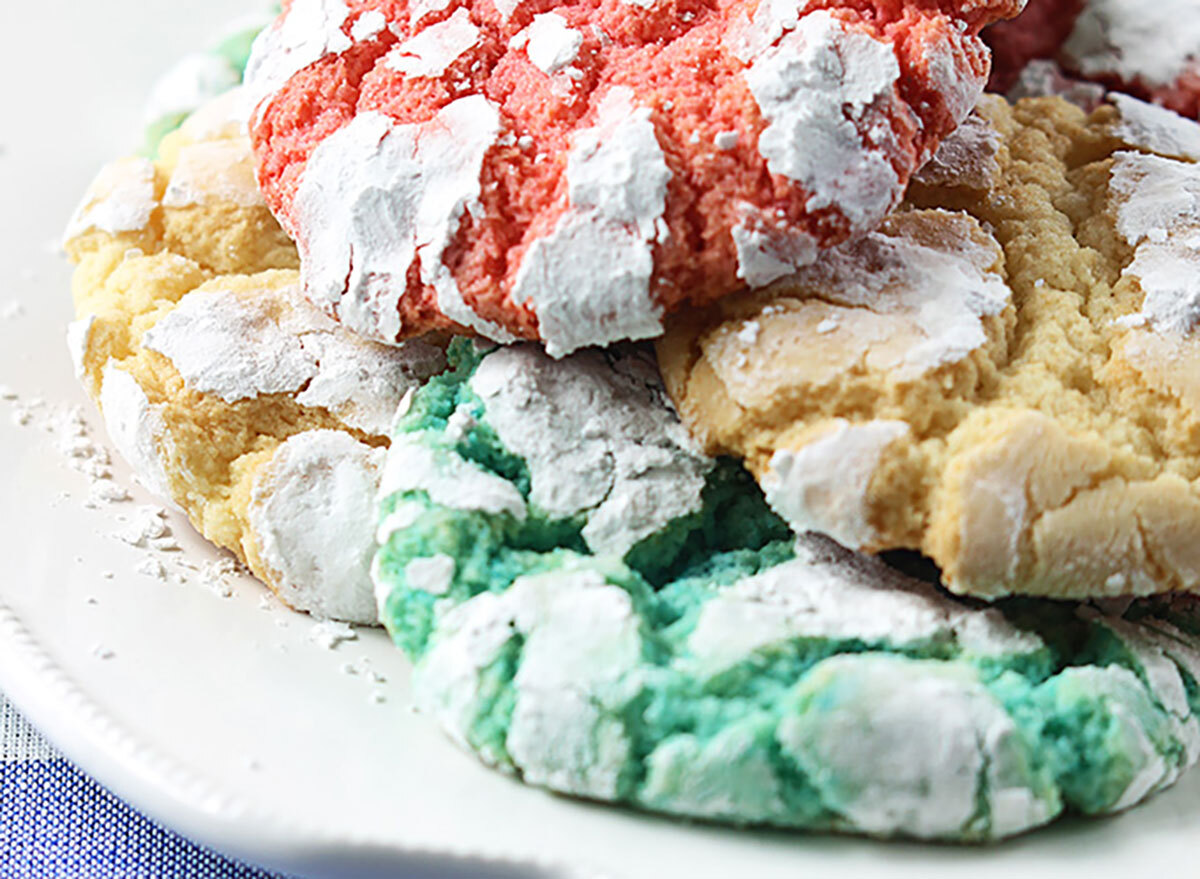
(594, 606)
(569, 172)
(202, 76)
(1150, 50)
(227, 392)
(1003, 376)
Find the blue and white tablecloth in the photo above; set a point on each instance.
(56, 823)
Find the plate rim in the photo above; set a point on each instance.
(185, 802)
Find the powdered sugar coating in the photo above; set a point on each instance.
(428, 175)
(122, 198)
(213, 171)
(853, 599)
(448, 479)
(823, 486)
(239, 347)
(814, 122)
(312, 516)
(581, 639)
(999, 375)
(1156, 129)
(589, 280)
(602, 420)
(312, 30)
(1155, 43)
(931, 792)
(434, 49)
(801, 686)
(136, 428)
(967, 157)
(227, 392)
(1158, 212)
(715, 159)
(550, 43)
(1080, 48)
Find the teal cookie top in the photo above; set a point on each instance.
(594, 605)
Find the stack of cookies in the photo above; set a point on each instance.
(730, 409)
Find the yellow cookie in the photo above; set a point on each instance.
(1005, 376)
(229, 395)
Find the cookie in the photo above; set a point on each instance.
(596, 607)
(201, 77)
(1150, 50)
(1002, 376)
(571, 175)
(228, 393)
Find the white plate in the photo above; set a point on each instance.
(224, 720)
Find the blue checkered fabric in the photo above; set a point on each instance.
(57, 823)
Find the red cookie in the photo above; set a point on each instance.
(571, 171)
(1150, 50)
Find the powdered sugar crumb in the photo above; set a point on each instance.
(153, 568)
(329, 634)
(147, 528)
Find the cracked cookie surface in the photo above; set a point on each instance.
(226, 391)
(1002, 377)
(593, 605)
(573, 171)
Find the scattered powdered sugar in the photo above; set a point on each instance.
(153, 568)
(73, 440)
(147, 528)
(218, 575)
(103, 492)
(589, 279)
(329, 634)
(12, 310)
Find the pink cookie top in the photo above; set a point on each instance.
(572, 171)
